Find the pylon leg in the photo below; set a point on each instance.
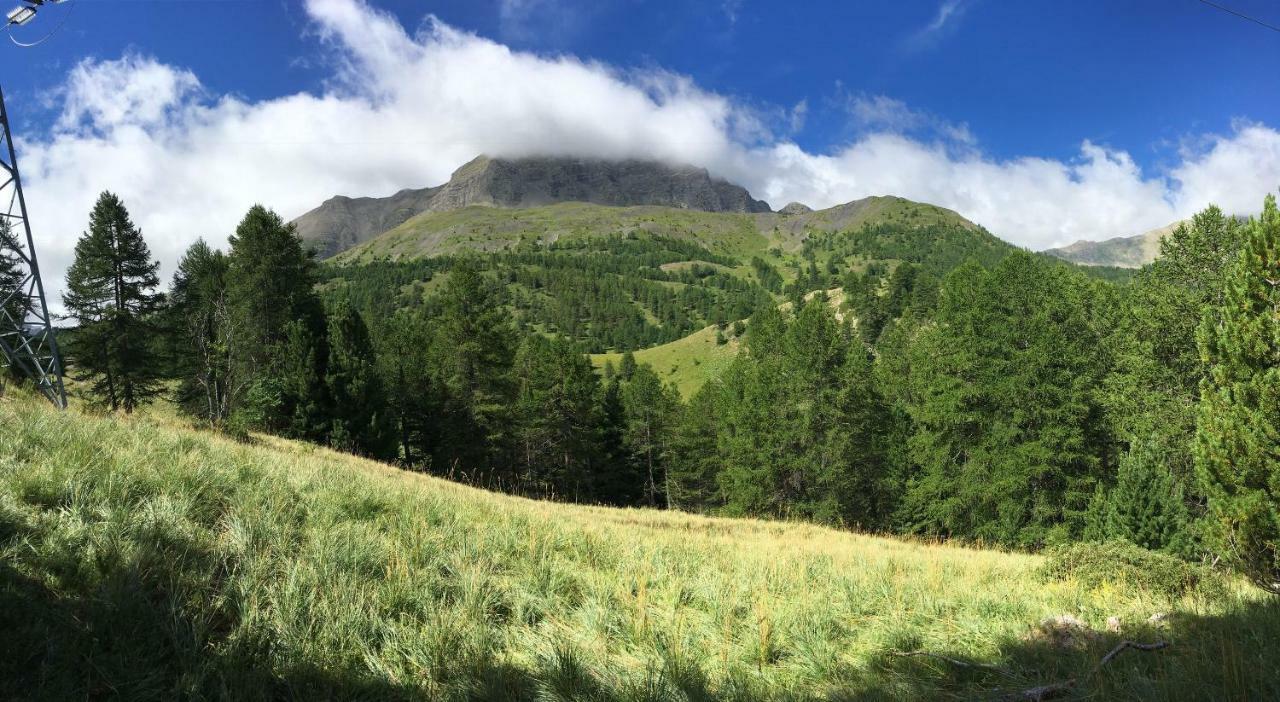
(27, 338)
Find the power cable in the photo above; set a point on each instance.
(1241, 15)
(65, 15)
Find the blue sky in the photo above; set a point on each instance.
(1046, 122)
(1027, 78)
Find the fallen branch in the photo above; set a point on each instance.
(1058, 689)
(955, 662)
(1127, 645)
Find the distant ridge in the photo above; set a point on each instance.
(1120, 252)
(341, 223)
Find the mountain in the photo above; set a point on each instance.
(1120, 252)
(736, 233)
(342, 222)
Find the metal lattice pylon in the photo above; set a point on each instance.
(27, 340)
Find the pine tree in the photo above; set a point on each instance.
(200, 327)
(695, 459)
(649, 411)
(616, 480)
(628, 367)
(413, 393)
(110, 294)
(278, 325)
(11, 273)
(473, 354)
(800, 424)
(556, 417)
(12, 294)
(359, 402)
(1237, 452)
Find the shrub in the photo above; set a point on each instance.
(1120, 562)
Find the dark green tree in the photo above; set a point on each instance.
(111, 296)
(650, 408)
(1145, 507)
(801, 423)
(628, 367)
(1152, 391)
(1237, 451)
(1008, 441)
(695, 460)
(11, 272)
(359, 402)
(278, 328)
(473, 354)
(412, 390)
(617, 480)
(200, 326)
(12, 294)
(556, 409)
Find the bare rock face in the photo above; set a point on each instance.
(342, 222)
(531, 182)
(795, 208)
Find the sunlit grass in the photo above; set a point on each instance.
(142, 559)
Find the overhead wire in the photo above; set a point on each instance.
(1241, 15)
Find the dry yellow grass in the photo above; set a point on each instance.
(209, 568)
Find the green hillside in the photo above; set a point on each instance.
(488, 229)
(688, 362)
(145, 560)
(691, 361)
(616, 279)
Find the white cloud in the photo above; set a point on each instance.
(883, 113)
(948, 14)
(946, 11)
(404, 109)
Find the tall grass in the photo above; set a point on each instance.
(141, 559)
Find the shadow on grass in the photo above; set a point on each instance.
(1235, 656)
(78, 623)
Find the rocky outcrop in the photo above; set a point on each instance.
(795, 208)
(343, 222)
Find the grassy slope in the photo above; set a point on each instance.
(688, 362)
(691, 361)
(143, 560)
(494, 229)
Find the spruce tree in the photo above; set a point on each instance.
(1237, 451)
(11, 273)
(695, 460)
(413, 392)
(1008, 439)
(111, 295)
(556, 412)
(1146, 506)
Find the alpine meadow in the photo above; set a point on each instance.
(645, 355)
